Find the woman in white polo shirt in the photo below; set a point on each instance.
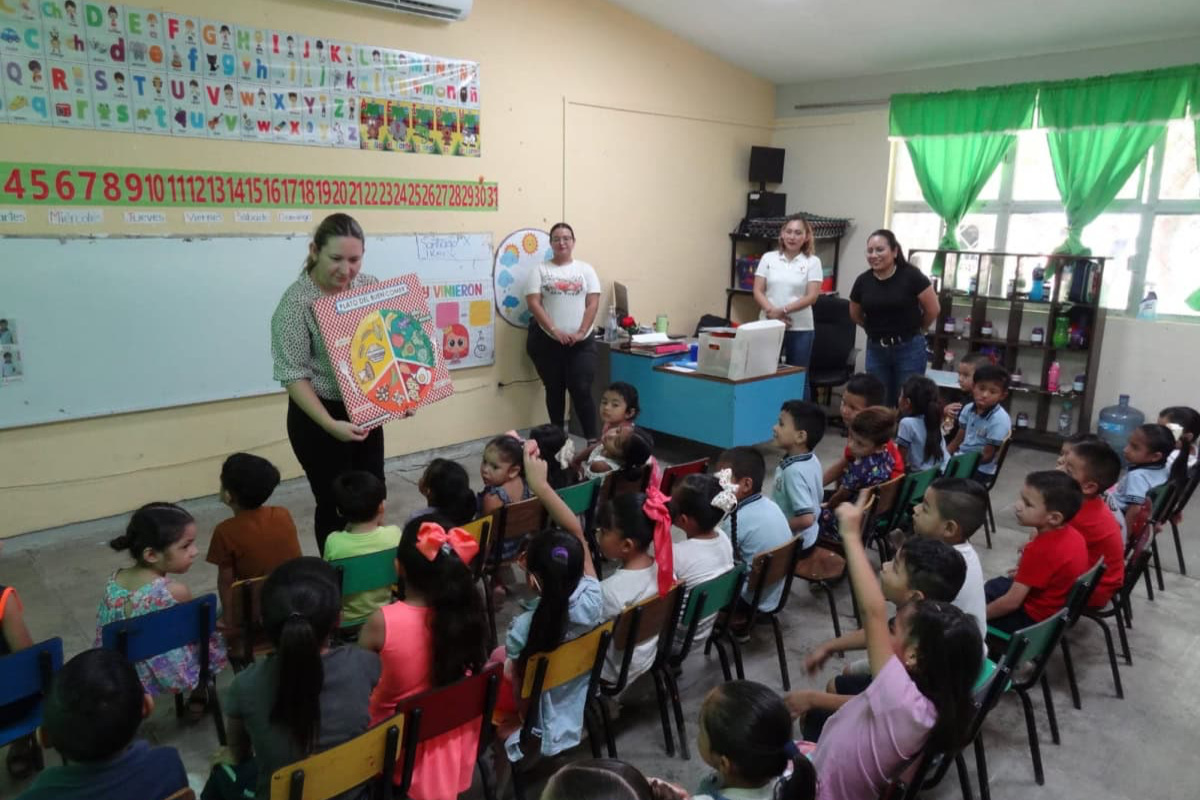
(563, 295)
(787, 283)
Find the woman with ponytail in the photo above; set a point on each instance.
(305, 697)
(431, 638)
(919, 436)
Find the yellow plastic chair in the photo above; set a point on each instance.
(369, 757)
(481, 531)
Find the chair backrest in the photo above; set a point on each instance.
(910, 493)
(28, 672)
(516, 521)
(616, 484)
(148, 635)
(772, 566)
(1081, 592)
(833, 333)
(1162, 502)
(366, 572)
(676, 471)
(370, 756)
(1040, 640)
(1184, 496)
(962, 465)
(438, 711)
(998, 460)
(243, 618)
(481, 531)
(705, 599)
(654, 617)
(1141, 526)
(568, 661)
(581, 498)
(885, 503)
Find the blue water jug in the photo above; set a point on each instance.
(1117, 422)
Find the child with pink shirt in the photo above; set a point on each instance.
(923, 672)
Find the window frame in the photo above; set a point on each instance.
(1147, 205)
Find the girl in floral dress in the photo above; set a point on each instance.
(871, 464)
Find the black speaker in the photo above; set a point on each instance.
(766, 204)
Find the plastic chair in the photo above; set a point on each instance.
(513, 522)
(437, 711)
(244, 632)
(1182, 497)
(716, 598)
(582, 499)
(27, 674)
(182, 625)
(579, 657)
(827, 584)
(1077, 602)
(962, 465)
(654, 618)
(673, 473)
(1137, 564)
(767, 570)
(1162, 504)
(368, 757)
(615, 484)
(481, 531)
(988, 481)
(912, 489)
(365, 573)
(1037, 642)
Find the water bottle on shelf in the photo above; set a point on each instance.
(1148, 308)
(1064, 419)
(1117, 422)
(1052, 377)
(610, 332)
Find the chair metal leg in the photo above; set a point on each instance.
(981, 770)
(737, 658)
(1125, 651)
(964, 780)
(989, 522)
(518, 781)
(783, 667)
(485, 780)
(214, 705)
(660, 694)
(1149, 587)
(1035, 751)
(490, 605)
(1112, 656)
(1178, 548)
(1157, 564)
(724, 659)
(179, 705)
(606, 722)
(589, 726)
(837, 626)
(1049, 698)
(677, 705)
(1070, 665)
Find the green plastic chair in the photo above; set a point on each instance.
(912, 489)
(582, 500)
(962, 465)
(714, 596)
(1037, 642)
(363, 574)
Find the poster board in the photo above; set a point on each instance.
(115, 325)
(381, 342)
(520, 252)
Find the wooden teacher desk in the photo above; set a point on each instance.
(704, 408)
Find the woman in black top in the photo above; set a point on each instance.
(895, 303)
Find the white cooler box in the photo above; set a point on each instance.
(748, 351)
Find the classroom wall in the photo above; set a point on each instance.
(589, 114)
(838, 164)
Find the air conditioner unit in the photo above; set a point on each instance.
(445, 10)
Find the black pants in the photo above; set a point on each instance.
(1013, 621)
(565, 370)
(324, 458)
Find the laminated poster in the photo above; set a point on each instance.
(381, 342)
(11, 368)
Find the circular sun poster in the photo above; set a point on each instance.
(392, 359)
(517, 254)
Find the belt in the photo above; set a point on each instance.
(891, 341)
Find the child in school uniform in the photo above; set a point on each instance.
(258, 537)
(630, 525)
(1052, 560)
(862, 391)
(698, 504)
(871, 432)
(919, 432)
(1146, 456)
(797, 490)
(983, 423)
(1095, 466)
(966, 382)
(361, 500)
(1184, 422)
(759, 523)
(951, 511)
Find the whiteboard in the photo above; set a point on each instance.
(112, 325)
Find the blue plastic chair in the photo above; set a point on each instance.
(190, 623)
(26, 674)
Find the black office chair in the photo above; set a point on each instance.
(710, 321)
(833, 352)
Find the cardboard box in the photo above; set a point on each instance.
(748, 351)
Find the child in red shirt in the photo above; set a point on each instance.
(1096, 467)
(1051, 561)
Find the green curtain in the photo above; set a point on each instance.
(956, 141)
(1099, 131)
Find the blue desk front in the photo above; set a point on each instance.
(705, 409)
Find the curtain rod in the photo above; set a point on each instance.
(840, 104)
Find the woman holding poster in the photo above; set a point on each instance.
(563, 295)
(324, 440)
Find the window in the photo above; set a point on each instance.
(1150, 233)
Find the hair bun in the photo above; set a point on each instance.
(120, 543)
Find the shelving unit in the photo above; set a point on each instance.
(994, 287)
(826, 231)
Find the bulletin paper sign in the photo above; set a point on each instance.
(59, 185)
(86, 65)
(381, 342)
(520, 252)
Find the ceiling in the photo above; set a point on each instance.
(799, 41)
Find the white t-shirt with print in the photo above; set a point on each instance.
(564, 290)
(787, 281)
(622, 589)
